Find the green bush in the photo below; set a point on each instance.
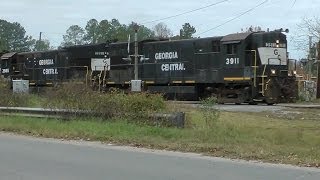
(133, 106)
(209, 113)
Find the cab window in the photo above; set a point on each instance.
(4, 63)
(215, 46)
(232, 48)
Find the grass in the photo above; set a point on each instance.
(251, 136)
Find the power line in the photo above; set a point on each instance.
(294, 3)
(240, 15)
(187, 12)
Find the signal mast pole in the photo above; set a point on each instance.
(310, 59)
(136, 53)
(318, 70)
(40, 36)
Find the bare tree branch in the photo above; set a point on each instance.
(309, 26)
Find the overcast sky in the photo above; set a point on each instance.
(53, 17)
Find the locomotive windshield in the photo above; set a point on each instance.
(273, 49)
(273, 56)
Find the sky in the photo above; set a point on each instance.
(53, 17)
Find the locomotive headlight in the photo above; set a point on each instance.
(273, 71)
(277, 43)
(295, 72)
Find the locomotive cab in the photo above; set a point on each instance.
(236, 69)
(271, 82)
(8, 65)
(255, 68)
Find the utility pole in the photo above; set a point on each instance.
(136, 53)
(310, 59)
(40, 36)
(318, 69)
(93, 37)
(136, 84)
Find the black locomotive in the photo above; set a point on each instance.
(237, 68)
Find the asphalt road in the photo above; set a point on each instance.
(25, 158)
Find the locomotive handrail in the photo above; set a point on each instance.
(274, 58)
(255, 67)
(262, 80)
(104, 76)
(100, 74)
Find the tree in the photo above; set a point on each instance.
(143, 32)
(309, 27)
(161, 30)
(13, 37)
(98, 32)
(91, 29)
(104, 31)
(118, 31)
(187, 31)
(74, 36)
(42, 45)
(176, 37)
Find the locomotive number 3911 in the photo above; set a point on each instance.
(231, 61)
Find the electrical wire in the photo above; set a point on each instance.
(294, 3)
(187, 12)
(234, 18)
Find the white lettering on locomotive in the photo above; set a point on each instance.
(45, 62)
(166, 55)
(50, 71)
(5, 71)
(100, 53)
(232, 61)
(173, 67)
(276, 45)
